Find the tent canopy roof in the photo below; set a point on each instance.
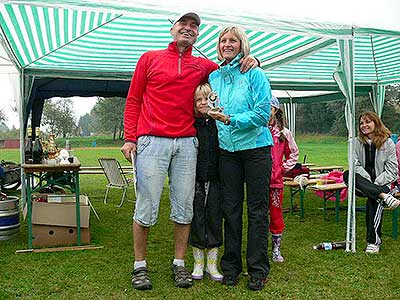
(104, 40)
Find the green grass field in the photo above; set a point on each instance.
(105, 273)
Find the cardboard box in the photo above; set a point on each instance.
(59, 214)
(67, 198)
(60, 198)
(44, 236)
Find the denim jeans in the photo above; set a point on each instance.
(157, 158)
(252, 167)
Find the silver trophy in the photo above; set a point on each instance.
(213, 102)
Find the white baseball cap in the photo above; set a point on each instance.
(275, 102)
(192, 15)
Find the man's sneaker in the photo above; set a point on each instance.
(372, 248)
(256, 284)
(230, 280)
(391, 201)
(182, 277)
(141, 279)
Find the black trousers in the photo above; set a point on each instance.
(374, 207)
(253, 167)
(206, 229)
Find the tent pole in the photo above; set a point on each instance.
(21, 102)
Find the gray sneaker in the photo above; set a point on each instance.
(141, 279)
(182, 277)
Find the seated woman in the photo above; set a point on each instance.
(376, 169)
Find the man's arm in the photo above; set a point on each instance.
(133, 106)
(249, 62)
(246, 63)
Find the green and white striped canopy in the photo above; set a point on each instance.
(105, 40)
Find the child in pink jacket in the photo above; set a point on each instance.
(285, 154)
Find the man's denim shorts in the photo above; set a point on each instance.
(157, 158)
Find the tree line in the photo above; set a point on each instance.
(106, 117)
(329, 117)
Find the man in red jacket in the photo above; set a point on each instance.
(159, 128)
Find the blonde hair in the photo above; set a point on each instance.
(203, 89)
(240, 34)
(381, 133)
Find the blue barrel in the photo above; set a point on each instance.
(9, 218)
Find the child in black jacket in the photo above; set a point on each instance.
(206, 230)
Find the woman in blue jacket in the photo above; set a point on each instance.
(245, 156)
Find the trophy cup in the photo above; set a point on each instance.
(213, 102)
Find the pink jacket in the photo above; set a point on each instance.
(398, 160)
(282, 149)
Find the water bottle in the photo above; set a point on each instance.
(330, 246)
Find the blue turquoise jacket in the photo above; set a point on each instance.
(246, 98)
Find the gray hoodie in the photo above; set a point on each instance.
(385, 163)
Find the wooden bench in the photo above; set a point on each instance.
(295, 188)
(98, 170)
(395, 217)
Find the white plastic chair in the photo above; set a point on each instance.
(115, 176)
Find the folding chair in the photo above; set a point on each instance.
(115, 176)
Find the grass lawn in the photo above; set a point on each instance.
(105, 273)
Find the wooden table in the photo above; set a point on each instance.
(308, 164)
(295, 188)
(69, 178)
(325, 169)
(329, 190)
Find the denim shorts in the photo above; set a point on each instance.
(157, 158)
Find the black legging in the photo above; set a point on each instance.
(374, 207)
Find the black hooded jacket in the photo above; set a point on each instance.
(208, 155)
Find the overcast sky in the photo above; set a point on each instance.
(383, 14)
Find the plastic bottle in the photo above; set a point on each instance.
(29, 148)
(37, 152)
(330, 246)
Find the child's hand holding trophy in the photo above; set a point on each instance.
(213, 102)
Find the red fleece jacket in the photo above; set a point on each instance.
(160, 100)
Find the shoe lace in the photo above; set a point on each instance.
(181, 274)
(140, 275)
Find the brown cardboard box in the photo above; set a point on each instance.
(60, 198)
(44, 236)
(59, 214)
(67, 198)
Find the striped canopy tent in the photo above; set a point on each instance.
(90, 48)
